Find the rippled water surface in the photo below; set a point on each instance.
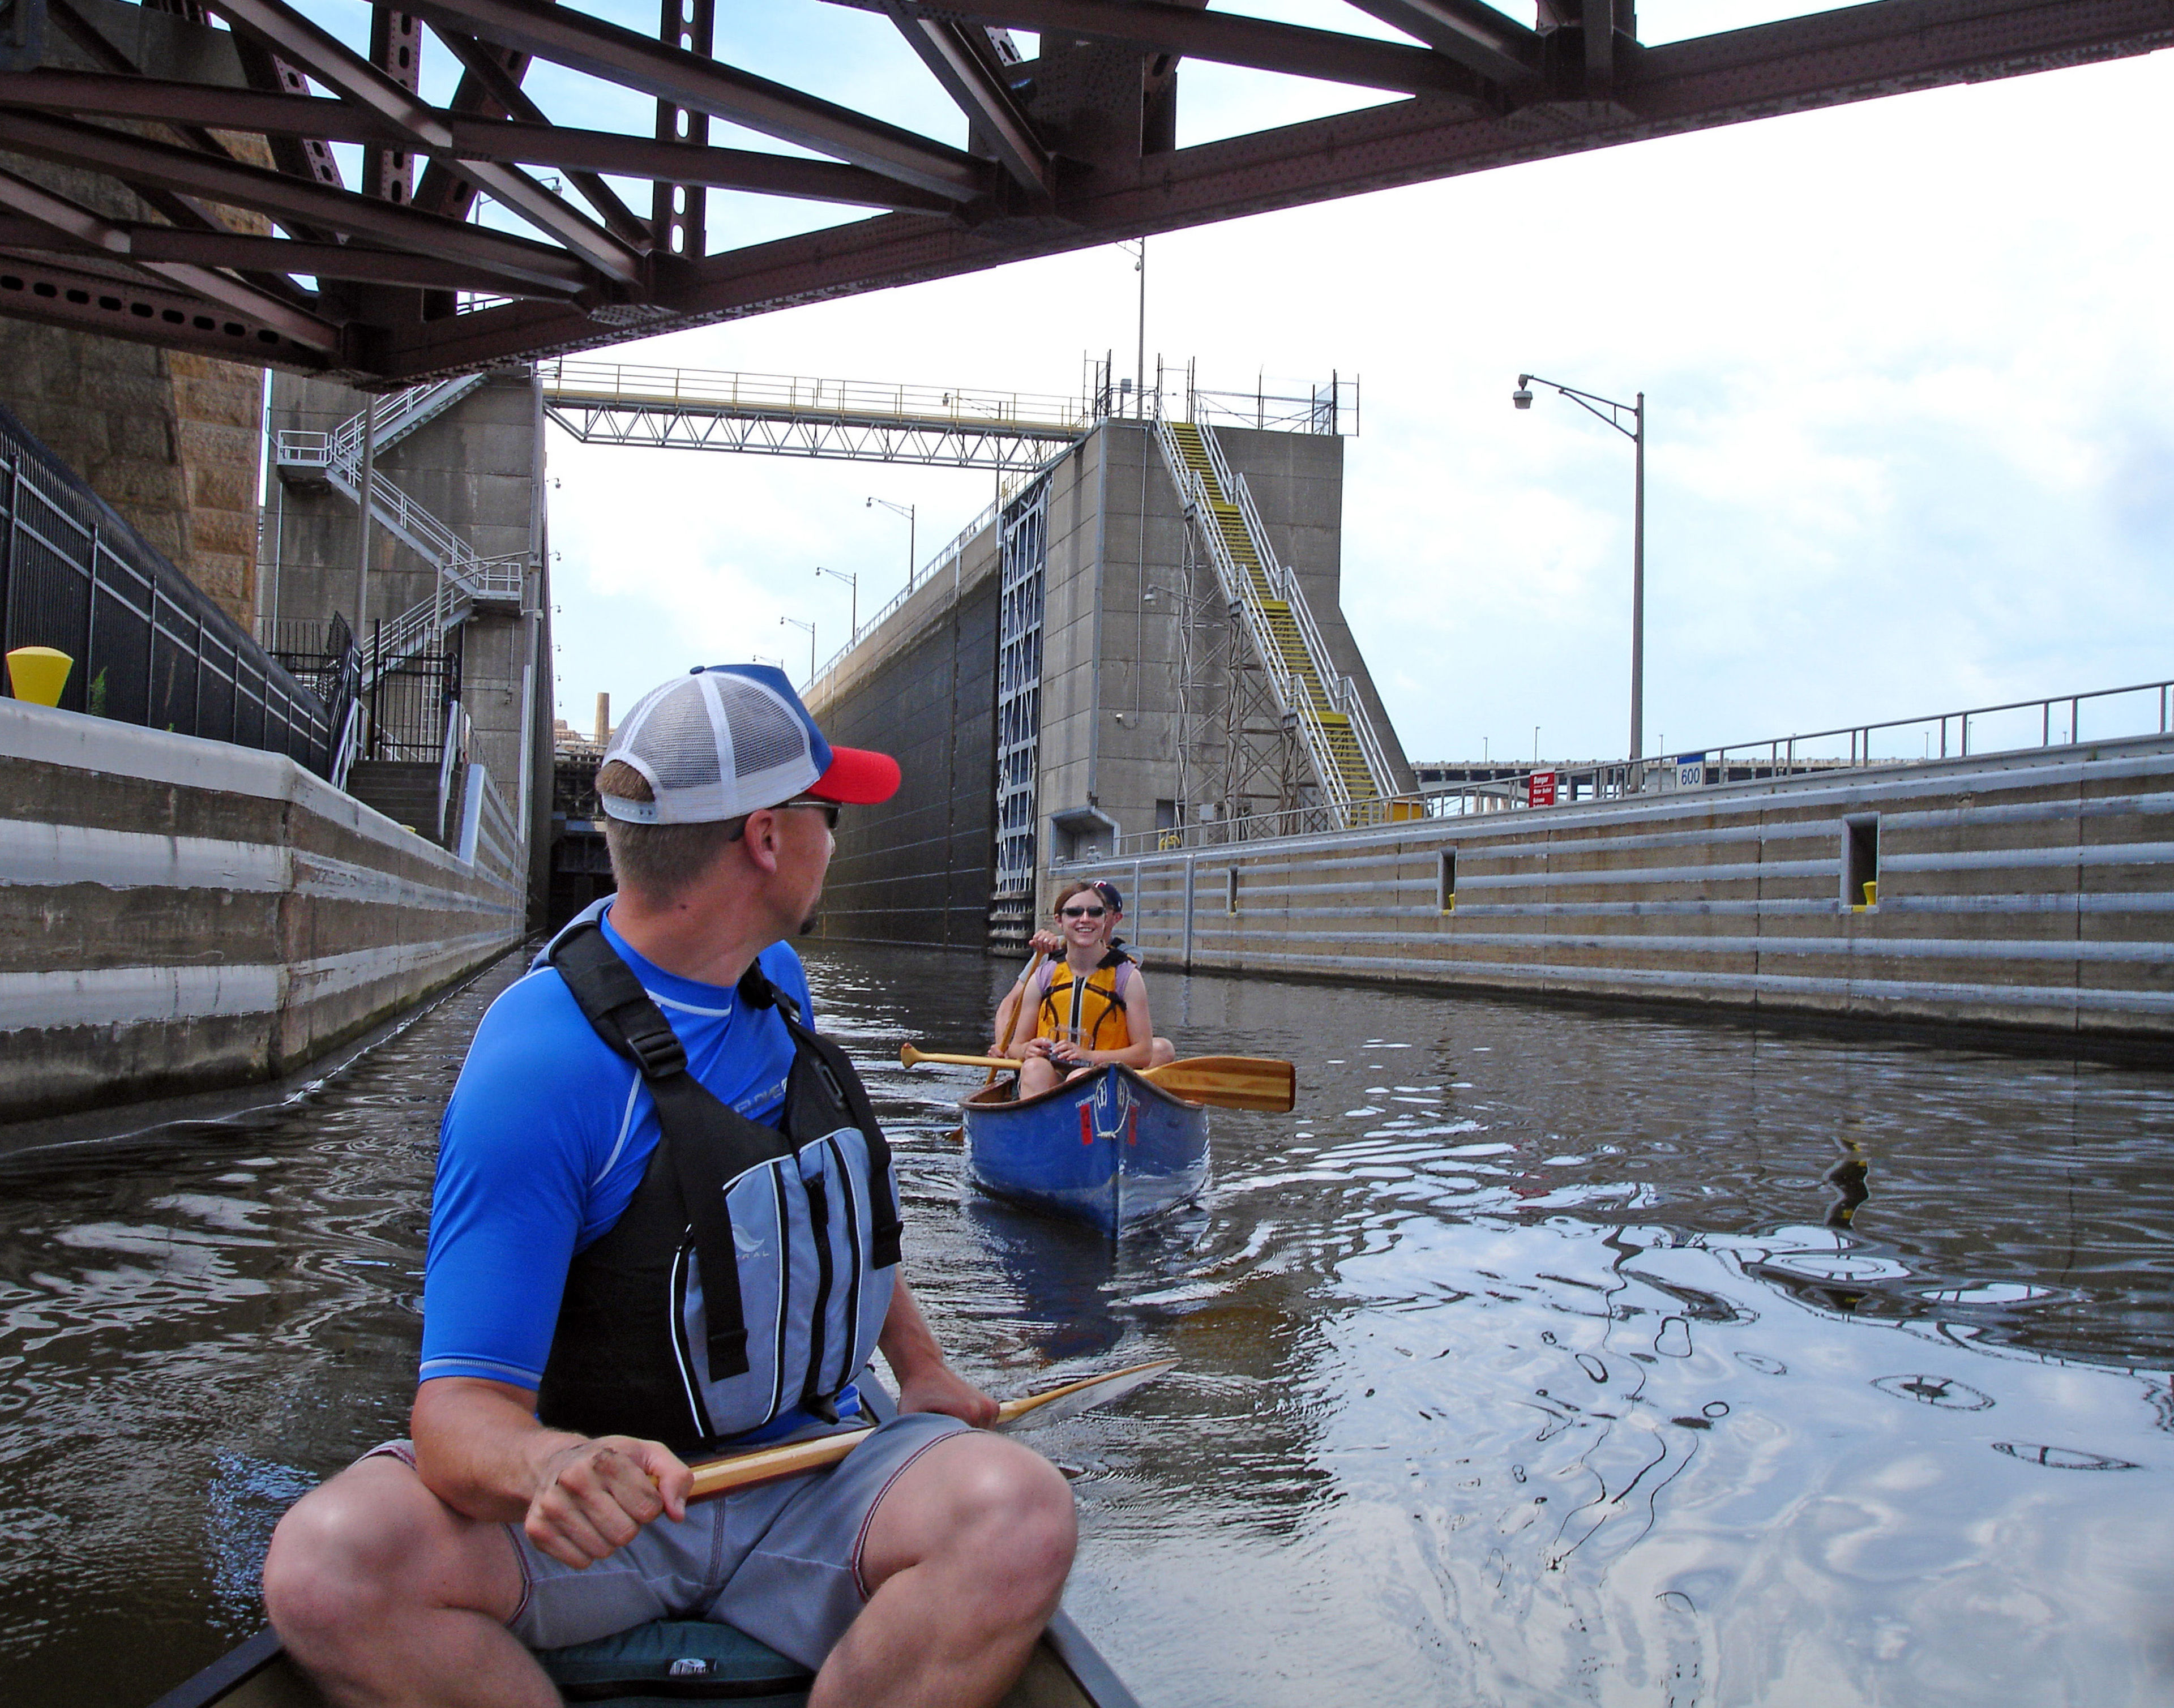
(1541, 1357)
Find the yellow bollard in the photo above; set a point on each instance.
(1872, 893)
(38, 674)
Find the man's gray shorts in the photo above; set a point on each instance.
(781, 1561)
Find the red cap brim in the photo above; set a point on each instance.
(857, 777)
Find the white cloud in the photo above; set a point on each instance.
(1905, 363)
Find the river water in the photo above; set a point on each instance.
(1540, 1358)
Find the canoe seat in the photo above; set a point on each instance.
(678, 1661)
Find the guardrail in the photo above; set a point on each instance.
(2150, 706)
(1937, 728)
(698, 390)
(1342, 690)
(149, 647)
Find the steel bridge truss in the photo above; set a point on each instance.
(168, 226)
(802, 434)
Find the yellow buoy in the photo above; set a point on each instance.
(38, 674)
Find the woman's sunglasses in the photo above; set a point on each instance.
(1083, 912)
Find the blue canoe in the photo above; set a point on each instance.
(1107, 1148)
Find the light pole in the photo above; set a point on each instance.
(1137, 247)
(810, 628)
(1612, 413)
(853, 582)
(912, 559)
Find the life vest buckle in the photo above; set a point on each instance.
(654, 1044)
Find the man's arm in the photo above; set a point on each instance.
(925, 1382)
(479, 1448)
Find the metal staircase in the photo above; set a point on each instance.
(465, 579)
(1348, 760)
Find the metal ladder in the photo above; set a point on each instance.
(1348, 760)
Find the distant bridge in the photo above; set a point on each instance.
(783, 416)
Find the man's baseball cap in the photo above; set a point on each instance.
(728, 739)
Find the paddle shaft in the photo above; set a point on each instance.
(1234, 1082)
(768, 1464)
(1011, 1030)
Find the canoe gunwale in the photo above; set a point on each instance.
(1085, 1084)
(227, 1674)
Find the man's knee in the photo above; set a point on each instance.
(372, 1539)
(1011, 1512)
(986, 1509)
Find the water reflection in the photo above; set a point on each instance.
(1538, 1358)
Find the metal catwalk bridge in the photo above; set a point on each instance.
(785, 415)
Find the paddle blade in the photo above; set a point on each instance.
(1075, 1397)
(1231, 1082)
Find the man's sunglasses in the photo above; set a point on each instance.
(828, 809)
(1084, 913)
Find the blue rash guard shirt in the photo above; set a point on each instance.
(545, 1138)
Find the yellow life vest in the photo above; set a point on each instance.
(1090, 1012)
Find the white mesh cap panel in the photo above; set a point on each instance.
(770, 757)
(712, 745)
(680, 740)
(764, 735)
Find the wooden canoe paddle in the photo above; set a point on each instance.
(1229, 1082)
(767, 1464)
(1024, 988)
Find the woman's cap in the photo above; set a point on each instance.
(726, 740)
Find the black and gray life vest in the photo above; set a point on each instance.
(751, 1270)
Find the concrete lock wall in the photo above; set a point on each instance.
(919, 868)
(1136, 640)
(200, 916)
(1135, 653)
(2032, 890)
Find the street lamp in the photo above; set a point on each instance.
(810, 628)
(853, 582)
(912, 557)
(1613, 413)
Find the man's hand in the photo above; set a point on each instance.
(595, 1495)
(925, 1382)
(938, 1388)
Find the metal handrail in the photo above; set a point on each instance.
(1783, 749)
(698, 389)
(955, 548)
(1292, 695)
(1354, 710)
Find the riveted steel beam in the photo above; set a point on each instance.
(701, 84)
(553, 147)
(1223, 37)
(1477, 36)
(139, 160)
(38, 288)
(968, 71)
(74, 224)
(1825, 60)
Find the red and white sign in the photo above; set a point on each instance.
(1540, 789)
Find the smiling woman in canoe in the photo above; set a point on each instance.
(1091, 1004)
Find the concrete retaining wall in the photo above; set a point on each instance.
(179, 915)
(2032, 890)
(919, 868)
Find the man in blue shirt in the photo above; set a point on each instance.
(919, 1571)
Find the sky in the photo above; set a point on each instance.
(1906, 365)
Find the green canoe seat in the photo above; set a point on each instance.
(678, 1661)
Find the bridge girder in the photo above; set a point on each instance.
(1068, 151)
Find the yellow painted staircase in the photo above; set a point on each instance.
(1335, 738)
